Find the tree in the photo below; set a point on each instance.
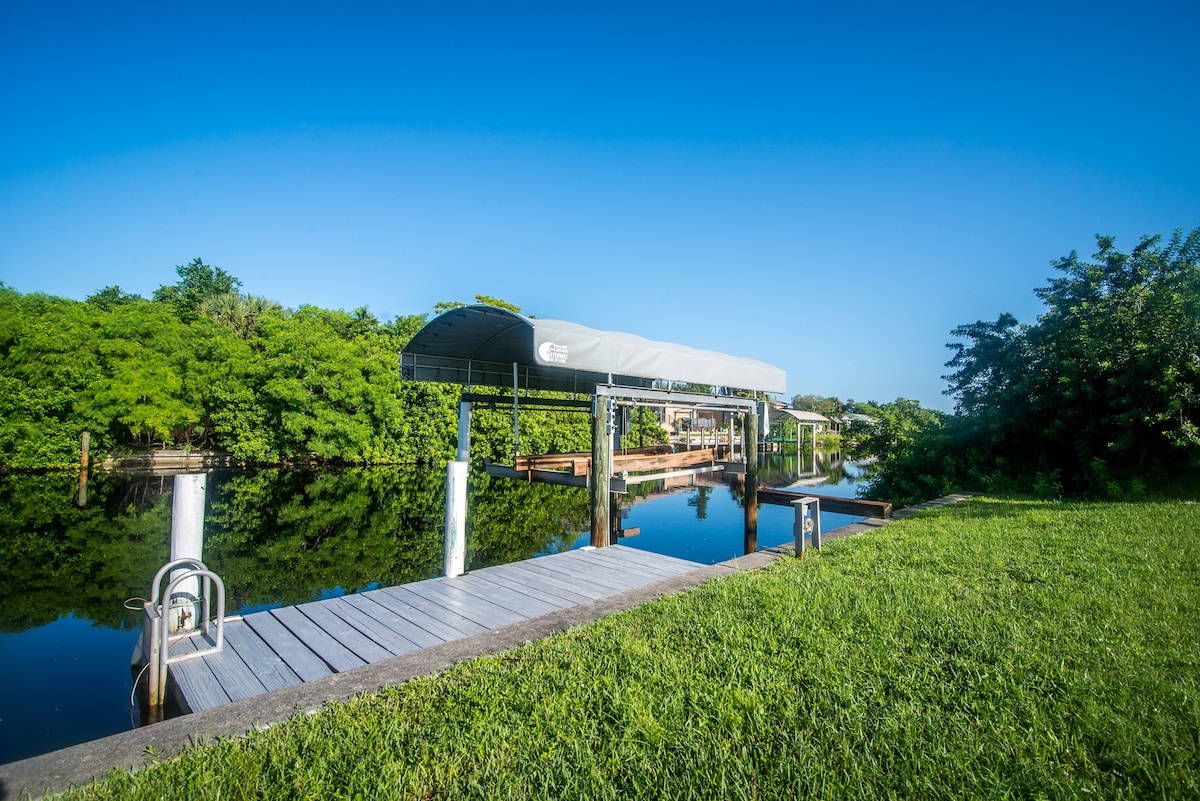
(197, 282)
(480, 300)
(111, 297)
(828, 407)
(239, 313)
(1103, 390)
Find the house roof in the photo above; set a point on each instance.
(485, 346)
(795, 414)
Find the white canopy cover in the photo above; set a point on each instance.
(479, 345)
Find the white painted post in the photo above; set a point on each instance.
(187, 542)
(455, 539)
(456, 519)
(764, 426)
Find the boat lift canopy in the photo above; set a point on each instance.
(479, 346)
(486, 346)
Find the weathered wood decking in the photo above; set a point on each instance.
(280, 648)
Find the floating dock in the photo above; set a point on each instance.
(283, 647)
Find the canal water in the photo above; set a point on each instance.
(73, 575)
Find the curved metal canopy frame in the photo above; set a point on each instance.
(489, 346)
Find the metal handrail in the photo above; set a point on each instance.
(169, 566)
(164, 631)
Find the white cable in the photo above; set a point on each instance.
(135, 691)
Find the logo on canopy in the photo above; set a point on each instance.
(550, 353)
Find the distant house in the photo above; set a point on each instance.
(819, 423)
(851, 417)
(677, 418)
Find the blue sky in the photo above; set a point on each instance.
(827, 187)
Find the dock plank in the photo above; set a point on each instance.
(196, 684)
(267, 665)
(600, 569)
(473, 608)
(546, 575)
(320, 642)
(406, 620)
(649, 557)
(388, 639)
(582, 574)
(357, 643)
(298, 657)
(519, 603)
(433, 617)
(552, 595)
(632, 565)
(236, 679)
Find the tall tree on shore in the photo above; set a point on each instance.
(197, 283)
(1106, 385)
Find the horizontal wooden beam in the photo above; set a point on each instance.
(829, 503)
(541, 476)
(553, 461)
(636, 463)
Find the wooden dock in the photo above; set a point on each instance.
(279, 648)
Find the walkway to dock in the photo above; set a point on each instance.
(281, 648)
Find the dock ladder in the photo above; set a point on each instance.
(160, 628)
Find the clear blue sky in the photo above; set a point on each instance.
(827, 187)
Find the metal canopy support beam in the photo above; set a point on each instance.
(516, 417)
(598, 483)
(715, 402)
(528, 403)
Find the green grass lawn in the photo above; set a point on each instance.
(991, 649)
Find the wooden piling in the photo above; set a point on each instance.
(84, 444)
(750, 434)
(598, 485)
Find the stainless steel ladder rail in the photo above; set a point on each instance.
(156, 633)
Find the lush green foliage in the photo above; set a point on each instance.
(909, 440)
(201, 366)
(1099, 397)
(832, 408)
(995, 649)
(1105, 387)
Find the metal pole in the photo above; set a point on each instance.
(516, 419)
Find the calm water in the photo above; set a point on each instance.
(281, 537)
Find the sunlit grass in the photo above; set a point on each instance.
(991, 649)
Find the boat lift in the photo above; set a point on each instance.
(485, 346)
